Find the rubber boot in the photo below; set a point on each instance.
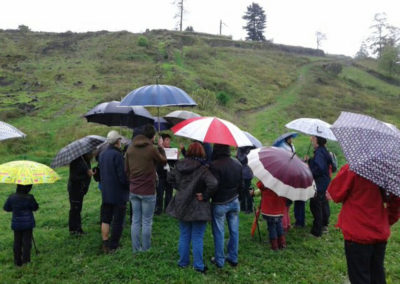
(274, 244)
(282, 242)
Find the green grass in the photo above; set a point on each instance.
(64, 75)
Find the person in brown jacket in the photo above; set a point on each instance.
(140, 164)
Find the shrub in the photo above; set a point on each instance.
(142, 41)
(223, 98)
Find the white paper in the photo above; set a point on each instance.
(171, 153)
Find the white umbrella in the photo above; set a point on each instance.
(180, 115)
(312, 126)
(8, 131)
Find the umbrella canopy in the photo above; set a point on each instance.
(180, 115)
(312, 126)
(27, 172)
(256, 143)
(76, 149)
(282, 172)
(158, 96)
(282, 138)
(371, 147)
(112, 114)
(8, 131)
(212, 130)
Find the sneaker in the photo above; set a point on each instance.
(213, 261)
(202, 271)
(231, 263)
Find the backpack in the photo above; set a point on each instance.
(334, 161)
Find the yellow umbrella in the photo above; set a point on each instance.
(27, 172)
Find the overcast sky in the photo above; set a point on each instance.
(345, 22)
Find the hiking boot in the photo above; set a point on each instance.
(274, 244)
(282, 242)
(203, 271)
(231, 263)
(213, 261)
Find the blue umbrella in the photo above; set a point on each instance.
(164, 125)
(158, 96)
(282, 138)
(253, 140)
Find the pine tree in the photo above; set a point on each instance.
(256, 22)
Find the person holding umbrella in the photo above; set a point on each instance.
(319, 166)
(80, 174)
(367, 213)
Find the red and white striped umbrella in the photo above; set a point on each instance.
(212, 130)
(282, 172)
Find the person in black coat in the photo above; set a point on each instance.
(319, 166)
(21, 204)
(114, 190)
(80, 174)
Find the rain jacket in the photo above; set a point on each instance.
(271, 204)
(190, 177)
(140, 165)
(319, 166)
(228, 172)
(79, 180)
(21, 205)
(364, 217)
(114, 184)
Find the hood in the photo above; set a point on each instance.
(23, 189)
(220, 151)
(141, 141)
(187, 165)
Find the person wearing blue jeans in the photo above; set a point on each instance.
(230, 212)
(142, 221)
(191, 232)
(275, 228)
(225, 204)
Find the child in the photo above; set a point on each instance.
(21, 204)
(272, 209)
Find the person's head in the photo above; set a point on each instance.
(114, 138)
(24, 189)
(195, 150)
(220, 150)
(166, 140)
(318, 141)
(149, 131)
(289, 140)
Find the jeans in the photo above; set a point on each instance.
(275, 228)
(230, 212)
(299, 213)
(163, 186)
(142, 220)
(22, 247)
(191, 232)
(365, 262)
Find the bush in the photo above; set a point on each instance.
(142, 41)
(223, 98)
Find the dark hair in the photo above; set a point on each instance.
(149, 131)
(165, 135)
(196, 150)
(321, 141)
(24, 189)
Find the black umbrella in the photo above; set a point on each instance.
(112, 114)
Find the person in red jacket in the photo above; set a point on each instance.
(272, 208)
(365, 219)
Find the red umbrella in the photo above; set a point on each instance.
(282, 172)
(212, 130)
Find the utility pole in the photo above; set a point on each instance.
(220, 26)
(181, 6)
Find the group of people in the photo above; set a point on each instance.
(212, 186)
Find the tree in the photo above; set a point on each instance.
(362, 52)
(24, 29)
(320, 37)
(389, 61)
(379, 36)
(179, 14)
(189, 29)
(256, 22)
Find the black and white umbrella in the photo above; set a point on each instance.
(76, 149)
(8, 131)
(180, 115)
(371, 147)
(112, 114)
(312, 126)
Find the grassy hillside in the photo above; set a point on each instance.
(48, 81)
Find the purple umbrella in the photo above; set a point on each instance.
(282, 172)
(371, 147)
